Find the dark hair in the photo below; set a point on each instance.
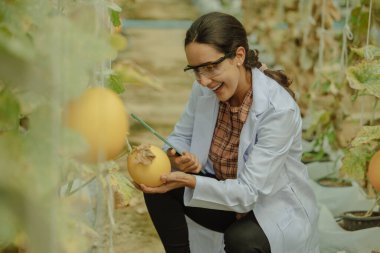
(225, 33)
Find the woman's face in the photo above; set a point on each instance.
(220, 74)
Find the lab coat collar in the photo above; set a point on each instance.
(260, 89)
(207, 112)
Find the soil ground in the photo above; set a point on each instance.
(160, 52)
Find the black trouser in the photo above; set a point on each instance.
(167, 212)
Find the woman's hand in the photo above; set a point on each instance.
(170, 181)
(187, 162)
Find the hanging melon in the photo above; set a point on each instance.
(100, 117)
(374, 171)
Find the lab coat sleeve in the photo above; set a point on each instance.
(261, 170)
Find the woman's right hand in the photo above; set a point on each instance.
(187, 162)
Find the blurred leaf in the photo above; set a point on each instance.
(354, 162)
(305, 59)
(131, 74)
(314, 156)
(325, 118)
(66, 66)
(122, 189)
(365, 2)
(9, 110)
(365, 76)
(9, 224)
(115, 83)
(19, 47)
(115, 18)
(366, 135)
(372, 50)
(114, 7)
(331, 137)
(17, 21)
(359, 18)
(29, 101)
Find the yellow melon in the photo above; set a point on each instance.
(147, 163)
(374, 171)
(99, 115)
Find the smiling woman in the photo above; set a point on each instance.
(242, 128)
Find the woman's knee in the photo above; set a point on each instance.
(246, 236)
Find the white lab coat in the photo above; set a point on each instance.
(271, 180)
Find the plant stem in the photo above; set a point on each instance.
(68, 193)
(128, 145)
(69, 186)
(370, 211)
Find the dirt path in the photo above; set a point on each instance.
(160, 51)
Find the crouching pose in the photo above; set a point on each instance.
(241, 174)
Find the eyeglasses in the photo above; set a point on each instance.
(207, 69)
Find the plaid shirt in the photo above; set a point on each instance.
(225, 142)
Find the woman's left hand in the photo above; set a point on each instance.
(173, 180)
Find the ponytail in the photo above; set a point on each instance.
(252, 61)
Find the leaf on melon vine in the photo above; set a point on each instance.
(115, 18)
(115, 11)
(122, 189)
(372, 50)
(115, 83)
(9, 111)
(354, 163)
(365, 76)
(366, 135)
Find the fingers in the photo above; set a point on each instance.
(159, 189)
(171, 181)
(171, 152)
(193, 168)
(176, 176)
(189, 163)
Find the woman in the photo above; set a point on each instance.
(241, 174)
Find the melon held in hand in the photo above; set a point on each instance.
(99, 116)
(147, 163)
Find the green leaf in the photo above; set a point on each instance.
(29, 101)
(9, 111)
(9, 224)
(354, 163)
(314, 156)
(366, 135)
(115, 18)
(364, 2)
(359, 19)
(115, 83)
(371, 50)
(331, 137)
(132, 74)
(365, 76)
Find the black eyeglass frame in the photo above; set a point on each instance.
(216, 62)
